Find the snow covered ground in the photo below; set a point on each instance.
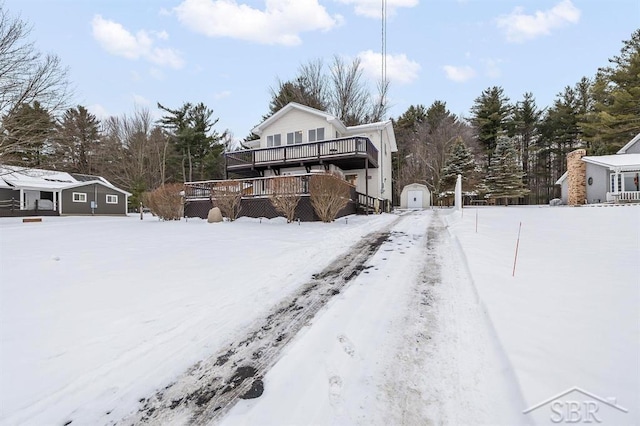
(96, 314)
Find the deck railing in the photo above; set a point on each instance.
(254, 187)
(334, 148)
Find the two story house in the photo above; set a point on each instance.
(299, 141)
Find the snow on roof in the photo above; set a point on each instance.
(629, 144)
(624, 162)
(26, 178)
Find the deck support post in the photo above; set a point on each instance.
(366, 185)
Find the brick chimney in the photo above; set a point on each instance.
(576, 177)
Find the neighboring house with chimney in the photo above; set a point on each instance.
(602, 178)
(299, 141)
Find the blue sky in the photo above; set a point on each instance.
(227, 53)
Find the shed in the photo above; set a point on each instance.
(415, 196)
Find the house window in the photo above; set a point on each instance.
(616, 182)
(112, 199)
(273, 140)
(79, 197)
(316, 134)
(294, 137)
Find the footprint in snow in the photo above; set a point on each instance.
(347, 346)
(335, 388)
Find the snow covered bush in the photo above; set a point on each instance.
(165, 201)
(329, 195)
(285, 195)
(226, 196)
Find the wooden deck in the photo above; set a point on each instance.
(346, 153)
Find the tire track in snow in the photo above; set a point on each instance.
(451, 369)
(210, 388)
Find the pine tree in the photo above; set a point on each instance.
(505, 174)
(491, 115)
(615, 118)
(459, 162)
(78, 135)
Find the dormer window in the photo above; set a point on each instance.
(273, 140)
(294, 137)
(316, 134)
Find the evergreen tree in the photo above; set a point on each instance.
(196, 139)
(616, 113)
(459, 162)
(526, 121)
(491, 113)
(77, 137)
(26, 135)
(505, 174)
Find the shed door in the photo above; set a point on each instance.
(414, 199)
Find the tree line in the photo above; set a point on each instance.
(504, 149)
(518, 150)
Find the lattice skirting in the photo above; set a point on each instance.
(262, 207)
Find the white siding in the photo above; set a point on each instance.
(295, 120)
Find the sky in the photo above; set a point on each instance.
(124, 55)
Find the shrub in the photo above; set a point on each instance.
(165, 201)
(226, 195)
(285, 196)
(329, 194)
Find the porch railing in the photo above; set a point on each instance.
(353, 146)
(623, 196)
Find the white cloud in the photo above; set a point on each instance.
(520, 27)
(373, 8)
(281, 22)
(140, 100)
(156, 73)
(161, 35)
(492, 68)
(117, 40)
(222, 95)
(459, 74)
(99, 111)
(400, 69)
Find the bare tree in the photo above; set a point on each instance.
(227, 195)
(343, 92)
(350, 99)
(165, 201)
(286, 195)
(26, 75)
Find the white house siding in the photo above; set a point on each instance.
(633, 149)
(295, 120)
(597, 191)
(380, 177)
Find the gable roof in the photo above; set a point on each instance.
(15, 177)
(564, 176)
(296, 106)
(626, 162)
(387, 126)
(629, 144)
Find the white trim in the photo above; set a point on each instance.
(81, 195)
(107, 196)
(624, 149)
